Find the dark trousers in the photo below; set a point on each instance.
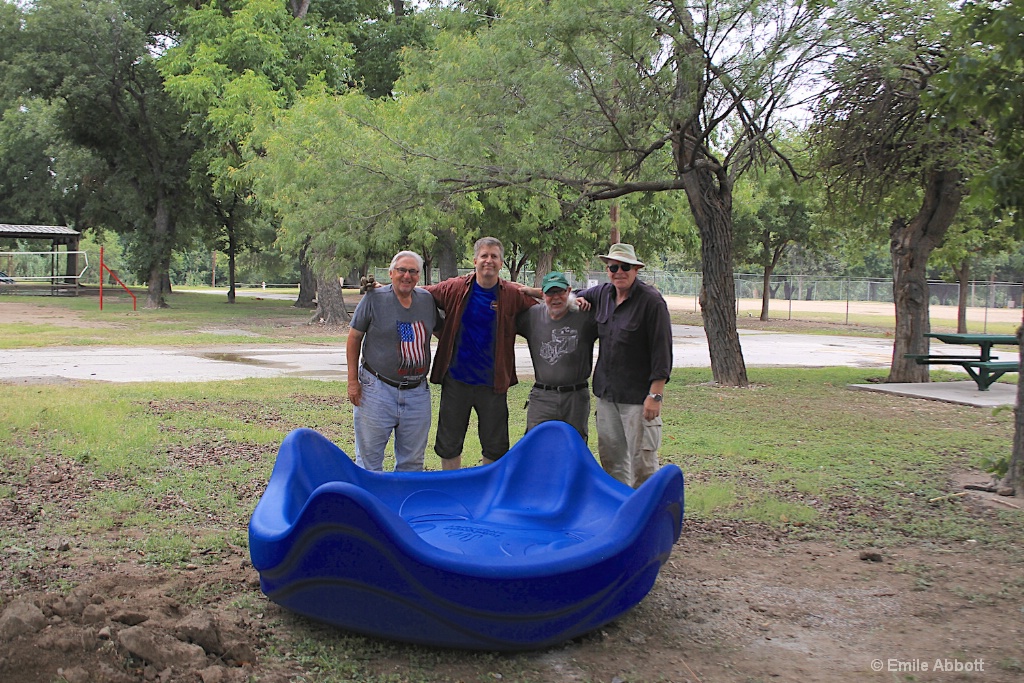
(457, 400)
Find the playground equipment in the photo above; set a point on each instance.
(538, 548)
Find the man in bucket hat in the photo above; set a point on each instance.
(561, 339)
(633, 365)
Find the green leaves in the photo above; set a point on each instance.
(987, 81)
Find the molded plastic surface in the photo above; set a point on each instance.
(538, 548)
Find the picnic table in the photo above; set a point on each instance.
(984, 368)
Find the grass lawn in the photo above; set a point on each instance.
(166, 476)
(797, 448)
(798, 451)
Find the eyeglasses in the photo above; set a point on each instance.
(407, 271)
(556, 291)
(614, 267)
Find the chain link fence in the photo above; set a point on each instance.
(980, 294)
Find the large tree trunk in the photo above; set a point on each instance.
(766, 293)
(545, 261)
(513, 262)
(963, 275)
(1015, 473)
(231, 259)
(307, 281)
(330, 303)
(911, 244)
(766, 284)
(71, 267)
(709, 192)
(711, 204)
(444, 255)
(161, 254)
(428, 267)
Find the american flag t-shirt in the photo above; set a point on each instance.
(412, 342)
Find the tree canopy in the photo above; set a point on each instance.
(573, 103)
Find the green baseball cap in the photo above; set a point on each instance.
(554, 280)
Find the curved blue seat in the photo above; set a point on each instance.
(540, 547)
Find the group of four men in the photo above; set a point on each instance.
(477, 317)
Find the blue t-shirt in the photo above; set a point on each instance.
(473, 360)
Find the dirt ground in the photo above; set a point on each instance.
(734, 603)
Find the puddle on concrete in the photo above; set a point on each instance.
(229, 357)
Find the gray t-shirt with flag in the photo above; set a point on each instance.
(562, 350)
(397, 341)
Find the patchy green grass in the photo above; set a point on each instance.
(797, 451)
(167, 474)
(192, 319)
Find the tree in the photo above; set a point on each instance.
(886, 145)
(44, 178)
(989, 82)
(96, 62)
(976, 234)
(776, 216)
(590, 102)
(236, 65)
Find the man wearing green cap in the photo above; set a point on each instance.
(561, 339)
(633, 366)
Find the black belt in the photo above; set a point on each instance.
(562, 389)
(391, 382)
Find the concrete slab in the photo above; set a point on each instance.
(322, 362)
(964, 393)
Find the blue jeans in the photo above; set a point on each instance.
(385, 409)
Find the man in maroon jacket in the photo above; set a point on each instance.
(475, 360)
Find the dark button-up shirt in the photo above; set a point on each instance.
(636, 342)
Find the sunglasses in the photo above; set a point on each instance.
(614, 267)
(407, 271)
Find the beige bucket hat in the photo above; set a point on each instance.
(624, 253)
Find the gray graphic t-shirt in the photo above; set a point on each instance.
(562, 350)
(397, 341)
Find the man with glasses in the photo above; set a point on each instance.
(633, 365)
(475, 362)
(391, 330)
(561, 339)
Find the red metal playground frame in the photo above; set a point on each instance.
(103, 266)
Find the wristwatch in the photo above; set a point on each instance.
(656, 397)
